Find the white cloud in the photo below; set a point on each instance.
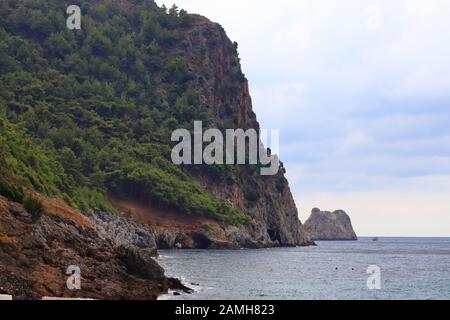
(351, 141)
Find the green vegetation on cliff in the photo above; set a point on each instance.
(91, 111)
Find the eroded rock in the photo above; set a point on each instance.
(325, 225)
(34, 258)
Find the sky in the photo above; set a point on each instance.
(360, 90)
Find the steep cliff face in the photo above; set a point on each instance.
(224, 92)
(324, 225)
(215, 74)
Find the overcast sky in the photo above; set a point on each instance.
(360, 90)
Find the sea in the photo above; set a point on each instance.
(387, 269)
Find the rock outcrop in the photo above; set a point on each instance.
(35, 256)
(325, 225)
(122, 232)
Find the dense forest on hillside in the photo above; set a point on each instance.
(84, 112)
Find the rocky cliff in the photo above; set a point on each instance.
(325, 225)
(115, 257)
(215, 73)
(224, 93)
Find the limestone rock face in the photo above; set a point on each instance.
(123, 232)
(325, 225)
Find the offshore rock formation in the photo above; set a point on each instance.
(324, 225)
(34, 256)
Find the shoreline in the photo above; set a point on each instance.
(171, 293)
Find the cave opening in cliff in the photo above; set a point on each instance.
(201, 241)
(274, 235)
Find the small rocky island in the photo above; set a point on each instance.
(328, 226)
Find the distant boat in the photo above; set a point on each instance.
(375, 239)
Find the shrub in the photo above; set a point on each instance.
(129, 213)
(34, 207)
(251, 194)
(10, 192)
(280, 185)
(206, 227)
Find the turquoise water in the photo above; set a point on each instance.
(411, 268)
